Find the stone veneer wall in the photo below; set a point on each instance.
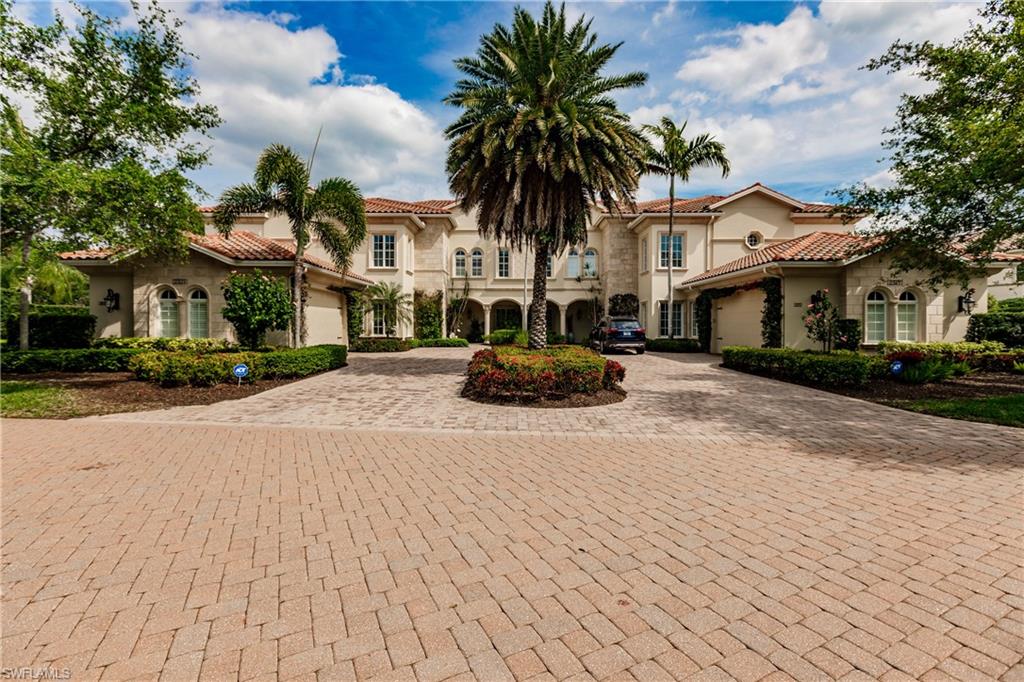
(619, 259)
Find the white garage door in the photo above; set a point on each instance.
(737, 320)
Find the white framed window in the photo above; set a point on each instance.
(170, 322)
(460, 263)
(677, 251)
(645, 255)
(693, 319)
(875, 317)
(572, 264)
(198, 314)
(379, 320)
(551, 266)
(476, 263)
(504, 263)
(754, 239)
(590, 263)
(643, 313)
(906, 317)
(383, 250)
(677, 318)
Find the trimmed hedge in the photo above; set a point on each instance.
(171, 344)
(958, 350)
(55, 326)
(68, 360)
(375, 345)
(841, 368)
(518, 374)
(673, 345)
(1007, 328)
(506, 337)
(439, 343)
(197, 369)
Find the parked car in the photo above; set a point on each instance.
(618, 332)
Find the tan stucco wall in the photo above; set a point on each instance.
(1005, 284)
(117, 322)
(797, 288)
(736, 320)
(326, 316)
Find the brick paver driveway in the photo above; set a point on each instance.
(713, 524)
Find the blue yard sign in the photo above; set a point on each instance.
(896, 367)
(241, 370)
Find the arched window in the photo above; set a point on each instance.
(170, 325)
(875, 319)
(551, 268)
(477, 263)
(906, 317)
(572, 264)
(198, 315)
(590, 263)
(460, 263)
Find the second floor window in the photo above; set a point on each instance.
(572, 264)
(476, 264)
(590, 263)
(677, 251)
(383, 250)
(504, 264)
(460, 263)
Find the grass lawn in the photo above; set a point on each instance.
(1006, 410)
(31, 399)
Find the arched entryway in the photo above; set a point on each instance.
(580, 318)
(506, 314)
(470, 322)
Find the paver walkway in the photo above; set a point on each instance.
(796, 536)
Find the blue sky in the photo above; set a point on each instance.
(778, 82)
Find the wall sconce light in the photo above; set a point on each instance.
(112, 301)
(965, 303)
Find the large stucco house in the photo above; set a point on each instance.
(731, 241)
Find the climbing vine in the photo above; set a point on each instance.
(771, 312)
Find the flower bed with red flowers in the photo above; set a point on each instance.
(510, 374)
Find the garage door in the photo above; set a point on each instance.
(737, 320)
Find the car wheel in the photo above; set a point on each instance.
(640, 351)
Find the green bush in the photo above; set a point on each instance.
(67, 360)
(673, 345)
(508, 337)
(439, 343)
(171, 343)
(928, 371)
(999, 362)
(816, 369)
(427, 315)
(1005, 327)
(170, 368)
(1009, 305)
(848, 334)
(55, 326)
(518, 374)
(255, 303)
(379, 345)
(959, 349)
(556, 339)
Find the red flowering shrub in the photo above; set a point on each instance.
(906, 356)
(519, 374)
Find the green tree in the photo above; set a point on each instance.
(673, 156)
(255, 303)
(388, 297)
(540, 139)
(956, 151)
(332, 212)
(822, 320)
(118, 119)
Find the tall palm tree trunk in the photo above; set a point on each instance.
(298, 336)
(539, 305)
(671, 246)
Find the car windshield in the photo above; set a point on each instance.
(625, 324)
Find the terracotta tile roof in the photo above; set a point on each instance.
(1000, 257)
(703, 204)
(818, 208)
(446, 204)
(240, 245)
(816, 246)
(384, 205)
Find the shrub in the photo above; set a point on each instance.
(427, 314)
(817, 369)
(379, 345)
(255, 303)
(556, 339)
(454, 342)
(673, 345)
(624, 304)
(930, 370)
(822, 320)
(518, 374)
(506, 337)
(1009, 305)
(55, 326)
(999, 362)
(951, 350)
(67, 360)
(1005, 327)
(164, 343)
(197, 369)
(848, 334)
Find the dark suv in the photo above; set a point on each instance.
(618, 332)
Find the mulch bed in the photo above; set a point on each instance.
(602, 397)
(974, 385)
(108, 392)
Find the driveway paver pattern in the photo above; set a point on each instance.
(807, 547)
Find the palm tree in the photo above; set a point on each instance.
(282, 186)
(675, 156)
(389, 298)
(540, 139)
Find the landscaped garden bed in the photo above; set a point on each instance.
(558, 376)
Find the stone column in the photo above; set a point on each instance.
(563, 327)
(487, 320)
